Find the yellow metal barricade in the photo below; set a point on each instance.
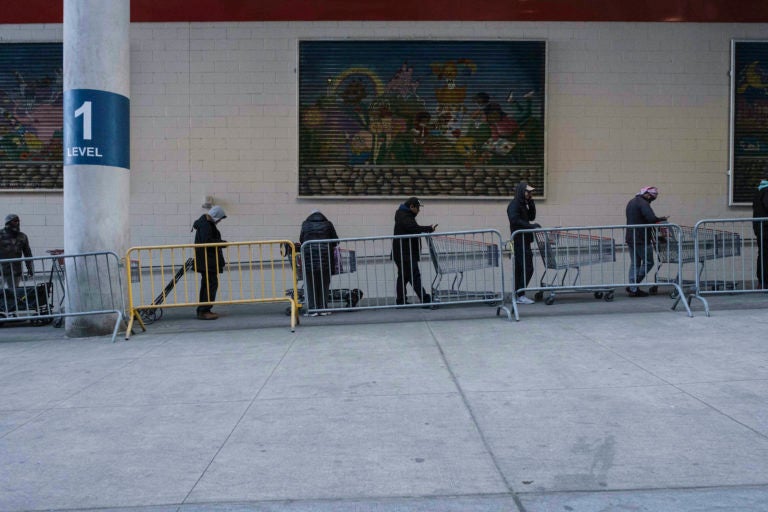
(168, 277)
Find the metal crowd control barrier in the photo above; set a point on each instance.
(596, 260)
(166, 276)
(61, 285)
(438, 269)
(735, 248)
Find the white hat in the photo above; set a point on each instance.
(217, 213)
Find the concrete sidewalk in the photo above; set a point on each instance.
(578, 407)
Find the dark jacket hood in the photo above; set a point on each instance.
(520, 190)
(199, 222)
(317, 217)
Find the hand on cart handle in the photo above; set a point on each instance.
(434, 227)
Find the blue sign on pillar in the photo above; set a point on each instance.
(96, 128)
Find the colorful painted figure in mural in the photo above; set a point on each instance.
(402, 83)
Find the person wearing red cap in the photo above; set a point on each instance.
(638, 240)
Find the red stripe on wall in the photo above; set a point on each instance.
(712, 11)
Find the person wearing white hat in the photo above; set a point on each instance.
(521, 211)
(209, 261)
(639, 240)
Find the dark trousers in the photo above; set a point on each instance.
(762, 259)
(318, 283)
(209, 283)
(408, 272)
(523, 264)
(640, 261)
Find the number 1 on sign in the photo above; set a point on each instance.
(85, 111)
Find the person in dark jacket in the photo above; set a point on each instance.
(639, 240)
(760, 210)
(209, 261)
(406, 251)
(14, 244)
(318, 259)
(521, 211)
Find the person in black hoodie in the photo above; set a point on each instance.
(760, 210)
(521, 210)
(640, 240)
(209, 261)
(405, 251)
(318, 259)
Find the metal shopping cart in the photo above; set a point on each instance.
(456, 256)
(149, 316)
(344, 262)
(712, 244)
(563, 251)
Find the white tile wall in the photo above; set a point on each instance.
(213, 113)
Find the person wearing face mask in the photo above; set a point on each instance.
(13, 244)
(639, 240)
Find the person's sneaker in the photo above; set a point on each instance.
(638, 293)
(314, 314)
(207, 315)
(325, 313)
(524, 300)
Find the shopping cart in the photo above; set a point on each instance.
(344, 262)
(154, 314)
(712, 243)
(456, 256)
(563, 251)
(27, 301)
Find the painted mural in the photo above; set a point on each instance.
(31, 116)
(750, 118)
(426, 118)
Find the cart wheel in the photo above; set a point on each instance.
(288, 311)
(598, 295)
(549, 300)
(538, 295)
(653, 290)
(608, 296)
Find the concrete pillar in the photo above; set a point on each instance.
(96, 147)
